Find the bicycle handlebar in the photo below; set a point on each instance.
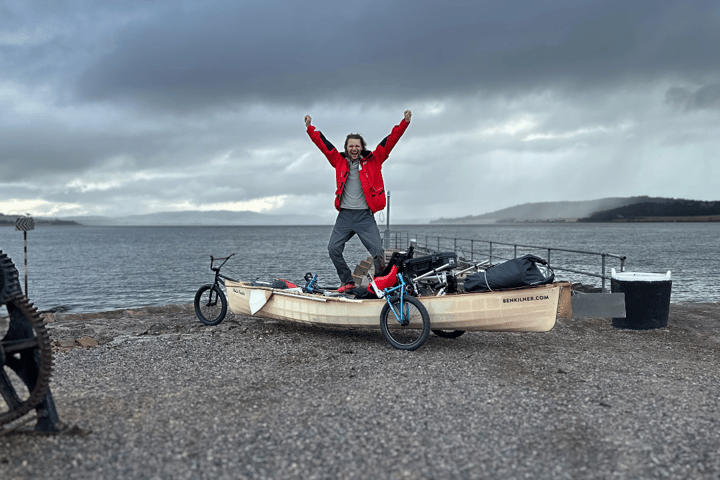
(224, 261)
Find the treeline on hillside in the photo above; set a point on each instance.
(666, 209)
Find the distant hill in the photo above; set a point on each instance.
(621, 209)
(544, 211)
(669, 210)
(196, 218)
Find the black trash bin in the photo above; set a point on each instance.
(647, 299)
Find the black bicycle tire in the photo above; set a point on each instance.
(448, 333)
(223, 305)
(386, 315)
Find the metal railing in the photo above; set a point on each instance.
(578, 262)
(396, 240)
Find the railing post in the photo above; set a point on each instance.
(491, 262)
(472, 251)
(515, 251)
(548, 259)
(603, 273)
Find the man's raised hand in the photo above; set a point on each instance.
(308, 119)
(408, 114)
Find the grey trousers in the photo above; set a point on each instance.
(349, 223)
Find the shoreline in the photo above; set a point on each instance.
(698, 219)
(98, 328)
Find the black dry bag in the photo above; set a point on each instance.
(518, 272)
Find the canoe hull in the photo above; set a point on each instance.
(528, 309)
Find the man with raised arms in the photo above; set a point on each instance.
(360, 193)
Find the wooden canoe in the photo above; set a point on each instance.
(527, 309)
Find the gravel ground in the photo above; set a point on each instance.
(168, 398)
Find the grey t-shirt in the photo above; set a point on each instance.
(353, 197)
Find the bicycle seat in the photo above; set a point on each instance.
(387, 280)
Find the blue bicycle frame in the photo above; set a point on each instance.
(385, 293)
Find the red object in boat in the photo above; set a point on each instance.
(386, 281)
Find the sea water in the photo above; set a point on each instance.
(86, 269)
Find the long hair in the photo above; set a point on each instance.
(357, 136)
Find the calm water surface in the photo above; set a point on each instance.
(85, 269)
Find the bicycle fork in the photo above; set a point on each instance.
(404, 317)
(214, 294)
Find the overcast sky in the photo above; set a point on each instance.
(121, 108)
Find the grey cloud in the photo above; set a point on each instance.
(293, 53)
(706, 97)
(64, 143)
(36, 152)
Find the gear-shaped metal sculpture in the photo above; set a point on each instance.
(25, 355)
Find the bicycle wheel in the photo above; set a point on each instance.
(414, 329)
(210, 304)
(448, 333)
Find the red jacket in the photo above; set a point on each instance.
(370, 165)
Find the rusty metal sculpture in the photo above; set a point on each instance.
(25, 356)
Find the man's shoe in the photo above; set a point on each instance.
(346, 287)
